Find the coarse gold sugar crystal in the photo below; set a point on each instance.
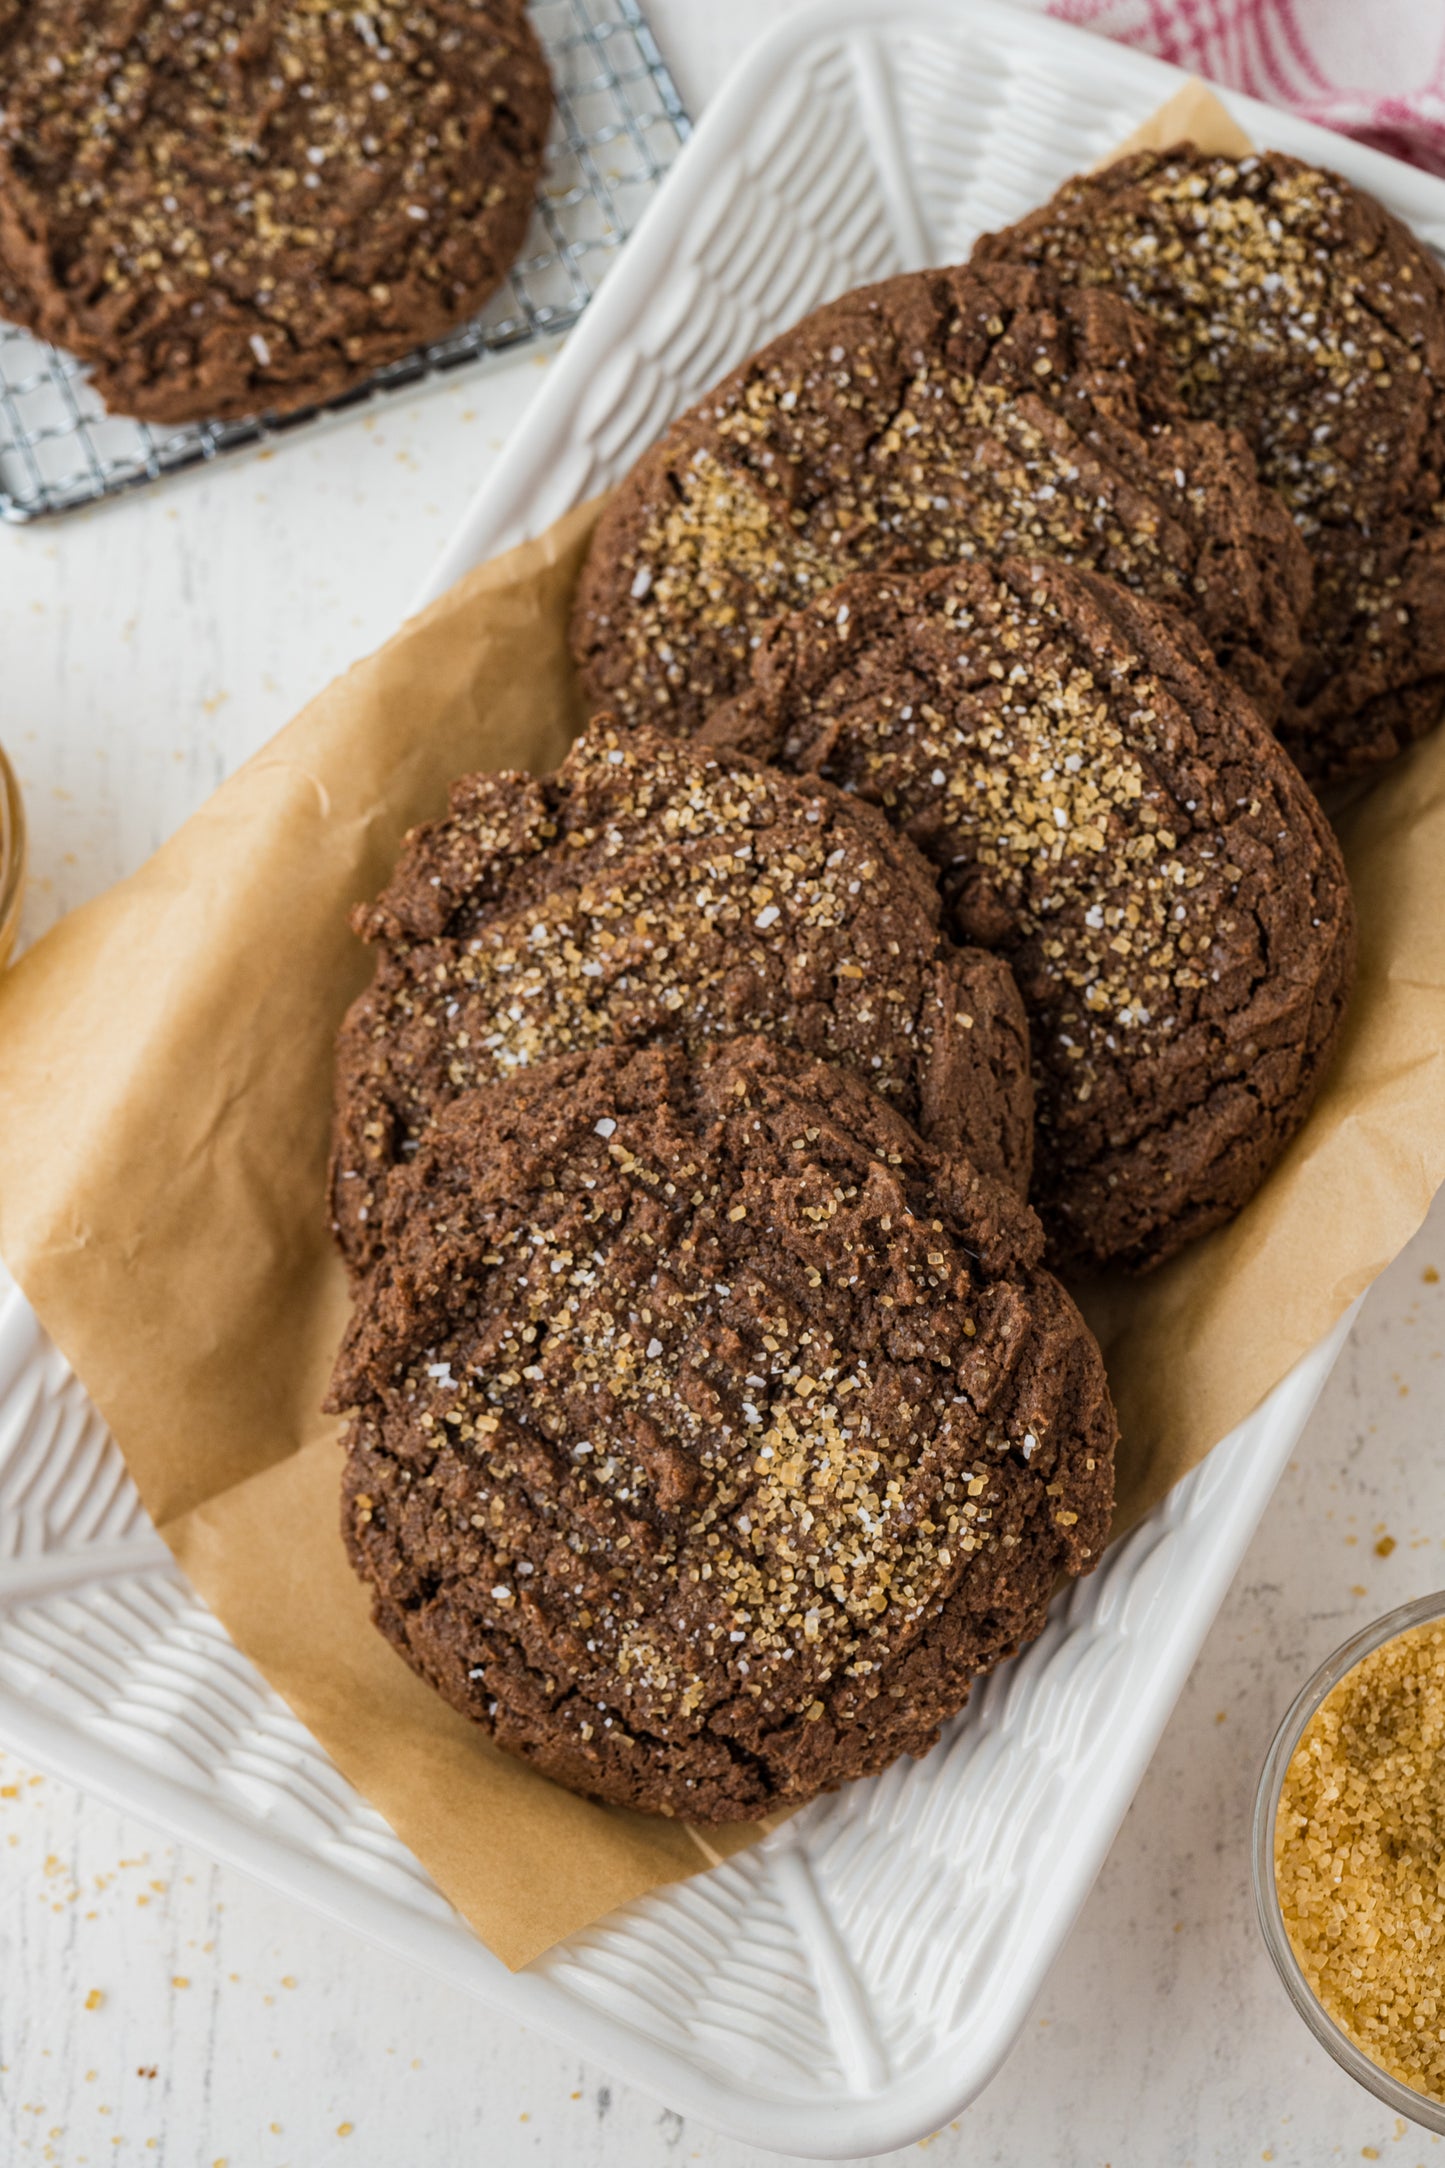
(1360, 1856)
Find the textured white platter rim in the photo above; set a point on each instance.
(853, 1982)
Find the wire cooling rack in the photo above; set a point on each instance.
(618, 125)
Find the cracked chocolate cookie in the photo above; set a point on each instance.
(227, 211)
(1297, 310)
(710, 1431)
(941, 415)
(651, 890)
(1104, 808)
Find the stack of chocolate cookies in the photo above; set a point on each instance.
(939, 898)
(715, 1421)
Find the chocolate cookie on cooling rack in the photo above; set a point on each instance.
(941, 415)
(654, 890)
(231, 212)
(1105, 808)
(1299, 311)
(712, 1432)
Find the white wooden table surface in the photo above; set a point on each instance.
(154, 2008)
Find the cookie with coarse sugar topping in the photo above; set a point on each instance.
(1299, 311)
(649, 890)
(959, 413)
(1107, 811)
(710, 1432)
(232, 211)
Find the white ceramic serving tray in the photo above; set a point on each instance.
(852, 1982)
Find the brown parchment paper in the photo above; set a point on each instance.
(1193, 115)
(165, 1064)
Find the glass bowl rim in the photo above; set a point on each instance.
(1421, 2108)
(13, 852)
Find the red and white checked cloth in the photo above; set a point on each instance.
(1372, 68)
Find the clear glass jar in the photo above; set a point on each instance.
(1419, 2108)
(12, 858)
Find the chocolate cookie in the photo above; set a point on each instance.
(1299, 311)
(942, 415)
(1107, 810)
(652, 890)
(228, 211)
(711, 1431)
